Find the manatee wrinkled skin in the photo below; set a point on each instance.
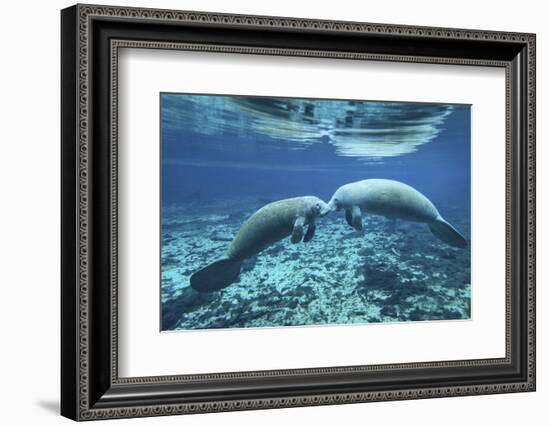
(265, 227)
(393, 200)
(272, 223)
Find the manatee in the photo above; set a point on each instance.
(393, 200)
(270, 224)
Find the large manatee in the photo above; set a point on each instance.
(394, 200)
(270, 224)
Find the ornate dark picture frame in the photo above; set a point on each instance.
(90, 385)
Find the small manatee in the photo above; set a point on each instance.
(268, 225)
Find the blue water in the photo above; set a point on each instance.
(223, 157)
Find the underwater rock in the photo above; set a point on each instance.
(351, 235)
(167, 238)
(275, 250)
(416, 315)
(271, 301)
(303, 290)
(395, 299)
(448, 255)
(366, 252)
(379, 278)
(170, 260)
(255, 314)
(457, 283)
(389, 311)
(293, 256)
(450, 313)
(293, 304)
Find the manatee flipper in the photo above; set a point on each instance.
(356, 218)
(348, 217)
(216, 276)
(298, 230)
(310, 232)
(446, 233)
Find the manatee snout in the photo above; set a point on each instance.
(321, 209)
(332, 206)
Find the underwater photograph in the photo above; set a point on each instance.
(279, 211)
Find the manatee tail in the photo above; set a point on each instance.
(446, 233)
(216, 276)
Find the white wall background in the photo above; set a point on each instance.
(29, 212)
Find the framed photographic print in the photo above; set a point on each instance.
(263, 212)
